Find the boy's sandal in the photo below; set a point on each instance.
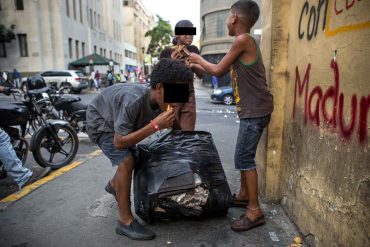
(244, 223)
(238, 203)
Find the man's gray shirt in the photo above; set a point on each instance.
(121, 108)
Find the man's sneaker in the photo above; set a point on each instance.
(134, 231)
(36, 177)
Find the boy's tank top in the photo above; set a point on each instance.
(252, 96)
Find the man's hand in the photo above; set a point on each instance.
(5, 90)
(165, 119)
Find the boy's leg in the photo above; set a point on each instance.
(250, 132)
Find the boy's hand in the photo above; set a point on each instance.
(195, 58)
(165, 119)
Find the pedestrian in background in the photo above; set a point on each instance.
(16, 78)
(185, 112)
(214, 82)
(254, 104)
(92, 79)
(97, 80)
(110, 77)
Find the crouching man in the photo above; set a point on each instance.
(122, 116)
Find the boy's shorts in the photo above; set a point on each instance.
(250, 131)
(115, 156)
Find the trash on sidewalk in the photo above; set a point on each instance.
(180, 174)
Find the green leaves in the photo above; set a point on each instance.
(161, 37)
(6, 34)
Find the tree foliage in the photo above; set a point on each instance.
(161, 37)
(6, 34)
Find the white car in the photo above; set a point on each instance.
(57, 78)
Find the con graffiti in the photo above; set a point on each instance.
(316, 105)
(316, 17)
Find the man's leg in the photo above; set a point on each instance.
(11, 162)
(121, 183)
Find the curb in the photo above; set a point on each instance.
(9, 200)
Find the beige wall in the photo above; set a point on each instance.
(319, 158)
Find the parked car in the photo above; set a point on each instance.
(223, 94)
(74, 79)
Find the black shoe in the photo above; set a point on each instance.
(110, 190)
(134, 231)
(36, 177)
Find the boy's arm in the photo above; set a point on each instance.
(238, 46)
(163, 121)
(198, 70)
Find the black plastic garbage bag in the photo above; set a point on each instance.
(180, 174)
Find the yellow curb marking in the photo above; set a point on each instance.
(29, 188)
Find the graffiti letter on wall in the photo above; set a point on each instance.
(364, 109)
(316, 98)
(347, 132)
(300, 88)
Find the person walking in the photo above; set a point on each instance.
(16, 78)
(97, 80)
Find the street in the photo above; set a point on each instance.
(74, 210)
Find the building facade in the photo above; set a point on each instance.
(214, 40)
(138, 20)
(52, 33)
(316, 160)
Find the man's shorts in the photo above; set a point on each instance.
(250, 131)
(115, 156)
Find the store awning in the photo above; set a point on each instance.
(93, 59)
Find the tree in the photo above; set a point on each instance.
(161, 37)
(6, 34)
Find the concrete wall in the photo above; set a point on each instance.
(318, 150)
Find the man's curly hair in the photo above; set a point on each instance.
(169, 70)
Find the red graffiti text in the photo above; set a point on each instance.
(315, 105)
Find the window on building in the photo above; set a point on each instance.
(74, 10)
(80, 11)
(95, 49)
(125, 3)
(67, 7)
(91, 18)
(77, 50)
(70, 48)
(101, 51)
(83, 48)
(94, 19)
(110, 54)
(220, 26)
(19, 5)
(105, 52)
(99, 21)
(2, 50)
(22, 40)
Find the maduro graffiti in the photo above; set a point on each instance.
(332, 17)
(316, 105)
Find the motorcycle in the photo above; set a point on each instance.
(54, 143)
(69, 108)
